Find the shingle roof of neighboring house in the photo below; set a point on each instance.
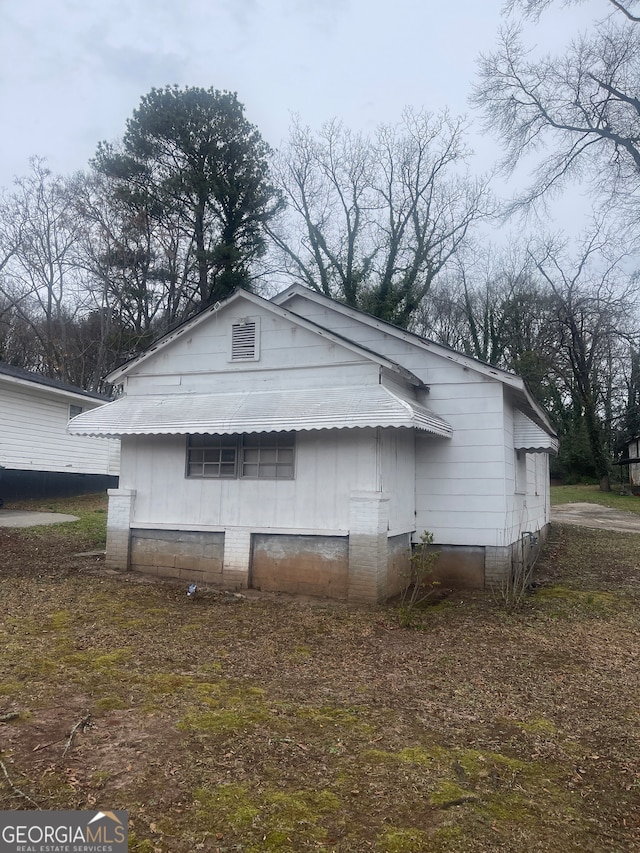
(38, 379)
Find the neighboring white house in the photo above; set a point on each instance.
(300, 445)
(37, 454)
(633, 455)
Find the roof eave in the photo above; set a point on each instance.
(445, 351)
(85, 397)
(511, 380)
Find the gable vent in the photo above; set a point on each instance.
(244, 341)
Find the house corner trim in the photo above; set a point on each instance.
(119, 527)
(368, 547)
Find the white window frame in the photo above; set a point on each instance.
(520, 472)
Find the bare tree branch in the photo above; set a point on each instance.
(578, 113)
(373, 221)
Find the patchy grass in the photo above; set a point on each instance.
(593, 495)
(88, 533)
(270, 724)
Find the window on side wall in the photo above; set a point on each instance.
(212, 456)
(74, 410)
(252, 456)
(520, 465)
(268, 456)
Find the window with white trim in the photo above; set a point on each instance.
(252, 456)
(74, 410)
(520, 464)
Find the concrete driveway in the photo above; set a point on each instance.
(596, 516)
(24, 518)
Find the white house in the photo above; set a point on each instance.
(300, 445)
(633, 457)
(37, 454)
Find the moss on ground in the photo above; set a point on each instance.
(279, 725)
(266, 819)
(395, 840)
(564, 601)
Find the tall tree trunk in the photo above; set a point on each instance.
(201, 257)
(597, 445)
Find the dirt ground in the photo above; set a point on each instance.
(266, 723)
(596, 516)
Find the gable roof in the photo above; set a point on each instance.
(166, 340)
(520, 393)
(389, 328)
(28, 378)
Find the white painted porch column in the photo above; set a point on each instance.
(368, 546)
(118, 527)
(237, 556)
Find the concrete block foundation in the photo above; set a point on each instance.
(307, 565)
(366, 566)
(187, 555)
(399, 563)
(460, 566)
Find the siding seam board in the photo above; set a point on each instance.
(216, 528)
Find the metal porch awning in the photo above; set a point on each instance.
(528, 436)
(259, 411)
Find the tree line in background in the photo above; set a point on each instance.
(192, 203)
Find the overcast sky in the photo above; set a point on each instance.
(72, 71)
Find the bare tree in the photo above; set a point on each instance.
(534, 8)
(373, 221)
(566, 322)
(579, 114)
(594, 307)
(492, 307)
(40, 279)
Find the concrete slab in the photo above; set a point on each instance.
(596, 516)
(24, 518)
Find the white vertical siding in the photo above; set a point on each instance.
(329, 465)
(527, 508)
(460, 483)
(397, 468)
(197, 356)
(460, 489)
(465, 489)
(34, 437)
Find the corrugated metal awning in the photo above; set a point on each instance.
(259, 411)
(530, 437)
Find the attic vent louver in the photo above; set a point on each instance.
(244, 341)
